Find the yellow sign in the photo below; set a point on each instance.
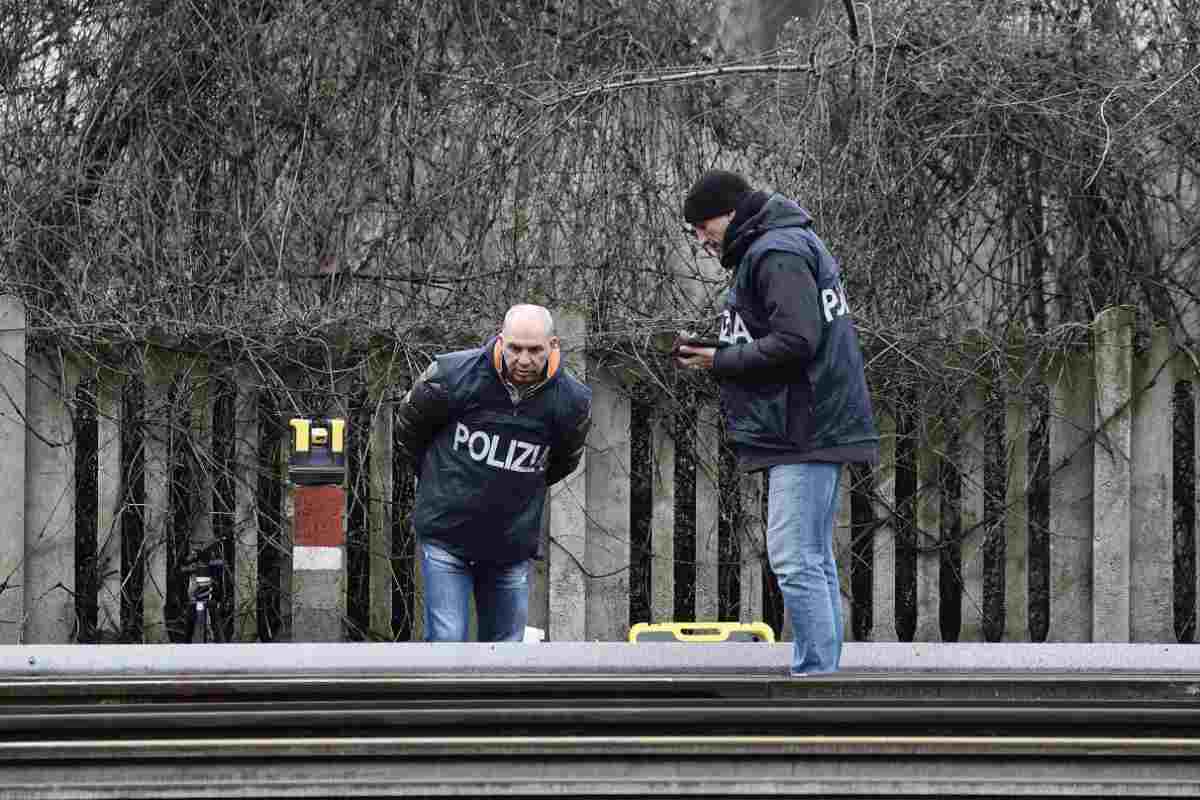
(701, 632)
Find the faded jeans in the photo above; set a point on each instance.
(501, 597)
(800, 515)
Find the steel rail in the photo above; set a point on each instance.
(605, 746)
(384, 715)
(824, 766)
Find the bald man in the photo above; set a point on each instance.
(489, 430)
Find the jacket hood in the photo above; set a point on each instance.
(777, 212)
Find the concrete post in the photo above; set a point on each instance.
(1016, 520)
(316, 474)
(929, 535)
(12, 466)
(50, 502)
(708, 511)
(1152, 559)
(318, 563)
(662, 520)
(883, 600)
(567, 553)
(109, 483)
(1112, 480)
(245, 591)
(1072, 398)
(971, 463)
(608, 496)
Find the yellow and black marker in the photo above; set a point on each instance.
(318, 452)
(701, 632)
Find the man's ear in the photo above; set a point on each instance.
(553, 342)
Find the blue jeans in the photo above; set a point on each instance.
(501, 597)
(801, 508)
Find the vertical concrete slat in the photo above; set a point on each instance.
(1194, 375)
(1016, 520)
(418, 600)
(1112, 479)
(12, 467)
(973, 439)
(245, 523)
(608, 502)
(109, 396)
(159, 432)
(200, 435)
(662, 520)
(568, 587)
(286, 541)
(753, 543)
(539, 576)
(379, 510)
(287, 535)
(1072, 397)
(708, 460)
(928, 537)
(1152, 559)
(883, 576)
(843, 552)
(50, 501)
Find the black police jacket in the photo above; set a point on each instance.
(791, 374)
(485, 460)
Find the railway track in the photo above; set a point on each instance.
(316, 731)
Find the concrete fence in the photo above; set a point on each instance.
(1112, 529)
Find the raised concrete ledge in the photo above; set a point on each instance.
(582, 658)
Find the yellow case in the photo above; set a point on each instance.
(701, 632)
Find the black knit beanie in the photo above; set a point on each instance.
(715, 193)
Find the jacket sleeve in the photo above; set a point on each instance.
(565, 458)
(788, 290)
(424, 410)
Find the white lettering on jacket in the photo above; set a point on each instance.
(518, 456)
(833, 301)
(733, 330)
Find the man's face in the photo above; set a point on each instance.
(526, 349)
(711, 233)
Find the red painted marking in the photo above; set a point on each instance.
(318, 521)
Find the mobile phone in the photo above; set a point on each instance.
(703, 341)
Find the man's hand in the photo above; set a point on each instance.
(690, 357)
(690, 354)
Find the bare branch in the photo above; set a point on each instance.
(683, 77)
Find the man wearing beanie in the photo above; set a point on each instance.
(793, 392)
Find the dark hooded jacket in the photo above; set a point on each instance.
(791, 371)
(485, 458)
